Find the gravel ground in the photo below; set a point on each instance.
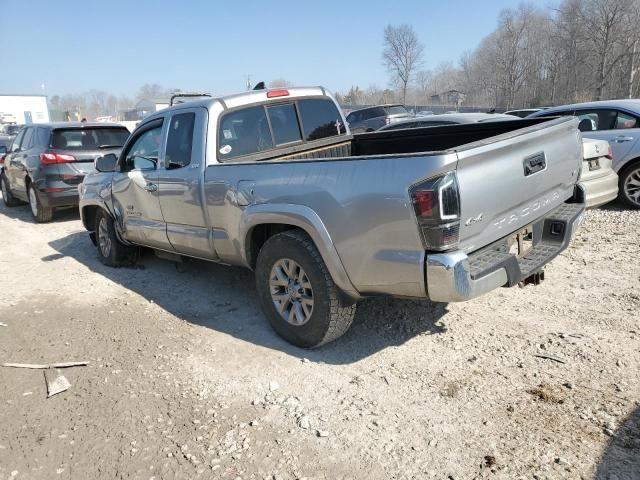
(187, 380)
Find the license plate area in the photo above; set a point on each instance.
(521, 242)
(594, 164)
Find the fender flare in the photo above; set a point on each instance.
(308, 220)
(104, 206)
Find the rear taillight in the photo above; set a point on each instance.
(436, 204)
(49, 158)
(609, 153)
(1, 159)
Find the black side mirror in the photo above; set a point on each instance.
(106, 163)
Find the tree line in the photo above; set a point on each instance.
(98, 103)
(581, 50)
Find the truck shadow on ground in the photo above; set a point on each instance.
(224, 299)
(621, 459)
(23, 213)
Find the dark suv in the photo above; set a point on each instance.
(48, 161)
(372, 118)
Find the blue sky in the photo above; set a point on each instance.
(72, 46)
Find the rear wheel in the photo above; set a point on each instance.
(297, 292)
(7, 197)
(40, 213)
(111, 250)
(630, 186)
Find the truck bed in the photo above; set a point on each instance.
(396, 142)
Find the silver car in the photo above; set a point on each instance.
(372, 118)
(618, 122)
(447, 119)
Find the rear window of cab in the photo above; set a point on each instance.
(262, 128)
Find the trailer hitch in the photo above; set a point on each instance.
(533, 279)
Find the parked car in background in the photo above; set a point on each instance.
(597, 176)
(447, 119)
(265, 180)
(618, 122)
(10, 129)
(48, 161)
(523, 112)
(372, 118)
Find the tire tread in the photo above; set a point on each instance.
(341, 317)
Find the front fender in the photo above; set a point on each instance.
(308, 220)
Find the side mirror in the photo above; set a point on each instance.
(106, 163)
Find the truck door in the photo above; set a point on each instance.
(180, 185)
(135, 189)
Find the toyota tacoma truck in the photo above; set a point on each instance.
(272, 180)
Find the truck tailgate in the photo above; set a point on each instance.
(508, 181)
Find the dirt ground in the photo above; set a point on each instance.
(187, 380)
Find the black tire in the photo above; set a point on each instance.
(111, 251)
(329, 317)
(40, 213)
(629, 174)
(7, 197)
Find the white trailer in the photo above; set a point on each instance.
(23, 109)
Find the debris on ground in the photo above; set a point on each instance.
(42, 366)
(56, 382)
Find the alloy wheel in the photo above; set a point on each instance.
(291, 292)
(632, 186)
(104, 241)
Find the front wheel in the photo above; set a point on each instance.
(629, 186)
(297, 292)
(41, 214)
(111, 251)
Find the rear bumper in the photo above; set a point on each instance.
(456, 276)
(600, 190)
(67, 198)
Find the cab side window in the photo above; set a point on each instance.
(180, 140)
(143, 153)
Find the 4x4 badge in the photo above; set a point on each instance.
(478, 218)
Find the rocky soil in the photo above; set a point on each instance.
(187, 380)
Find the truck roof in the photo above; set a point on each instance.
(56, 125)
(247, 98)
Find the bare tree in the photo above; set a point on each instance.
(280, 83)
(606, 22)
(402, 54)
(151, 91)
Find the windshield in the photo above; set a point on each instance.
(89, 138)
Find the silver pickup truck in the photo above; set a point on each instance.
(272, 180)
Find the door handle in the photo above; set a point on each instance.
(623, 139)
(151, 187)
